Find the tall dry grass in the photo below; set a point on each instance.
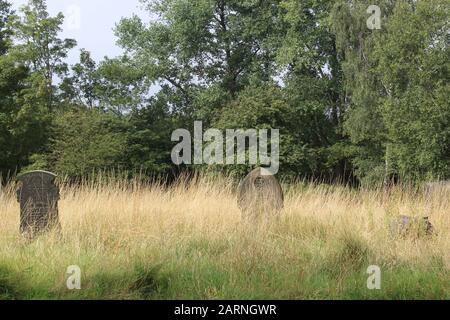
(134, 240)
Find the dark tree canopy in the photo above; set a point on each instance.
(352, 104)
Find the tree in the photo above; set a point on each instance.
(149, 143)
(394, 82)
(122, 86)
(411, 62)
(86, 141)
(348, 101)
(33, 55)
(266, 107)
(80, 88)
(202, 51)
(5, 31)
(363, 121)
(40, 48)
(18, 129)
(313, 83)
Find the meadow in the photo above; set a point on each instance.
(189, 241)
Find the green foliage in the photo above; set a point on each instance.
(267, 107)
(40, 48)
(86, 141)
(396, 80)
(11, 286)
(413, 66)
(5, 31)
(81, 88)
(22, 119)
(28, 67)
(149, 145)
(352, 104)
(195, 47)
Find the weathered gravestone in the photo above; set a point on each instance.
(405, 226)
(260, 194)
(38, 197)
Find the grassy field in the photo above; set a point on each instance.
(189, 242)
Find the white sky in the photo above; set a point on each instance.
(91, 23)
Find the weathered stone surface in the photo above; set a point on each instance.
(260, 194)
(411, 226)
(38, 197)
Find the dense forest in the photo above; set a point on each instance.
(352, 103)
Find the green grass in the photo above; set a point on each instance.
(192, 243)
(196, 270)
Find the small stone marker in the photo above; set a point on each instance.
(411, 226)
(260, 194)
(38, 197)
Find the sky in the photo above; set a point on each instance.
(91, 23)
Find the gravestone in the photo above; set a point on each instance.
(38, 197)
(260, 194)
(405, 226)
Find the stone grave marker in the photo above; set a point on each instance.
(260, 194)
(405, 226)
(38, 197)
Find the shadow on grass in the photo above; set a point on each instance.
(149, 282)
(144, 282)
(11, 288)
(349, 255)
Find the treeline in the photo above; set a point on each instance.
(352, 104)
